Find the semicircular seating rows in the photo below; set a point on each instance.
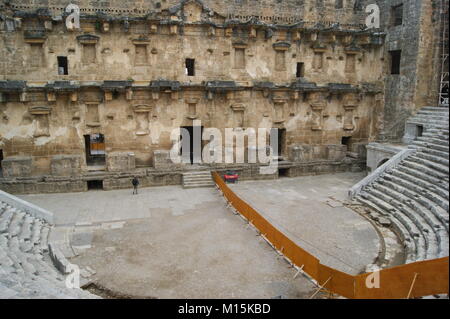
(414, 195)
(26, 270)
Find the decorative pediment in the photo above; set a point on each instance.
(142, 108)
(238, 107)
(281, 46)
(40, 110)
(88, 39)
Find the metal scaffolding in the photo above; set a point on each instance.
(444, 85)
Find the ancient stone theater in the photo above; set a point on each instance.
(96, 93)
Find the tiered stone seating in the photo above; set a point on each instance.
(26, 270)
(414, 195)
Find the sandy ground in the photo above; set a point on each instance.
(169, 242)
(311, 211)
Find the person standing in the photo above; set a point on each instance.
(135, 183)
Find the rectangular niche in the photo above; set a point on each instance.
(141, 55)
(36, 55)
(92, 114)
(350, 63)
(239, 58)
(280, 60)
(89, 53)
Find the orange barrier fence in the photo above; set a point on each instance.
(406, 281)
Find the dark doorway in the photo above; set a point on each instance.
(283, 172)
(300, 70)
(346, 140)
(280, 140)
(190, 67)
(396, 57)
(95, 149)
(1, 159)
(95, 185)
(419, 130)
(188, 135)
(63, 65)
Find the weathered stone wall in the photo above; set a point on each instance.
(245, 76)
(127, 78)
(417, 84)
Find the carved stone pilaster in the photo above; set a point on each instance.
(350, 103)
(318, 103)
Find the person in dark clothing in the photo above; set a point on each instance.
(135, 183)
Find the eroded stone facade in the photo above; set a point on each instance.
(127, 74)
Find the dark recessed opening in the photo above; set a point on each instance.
(300, 69)
(95, 185)
(397, 15)
(63, 65)
(346, 140)
(395, 61)
(1, 159)
(95, 149)
(283, 172)
(190, 67)
(339, 4)
(419, 130)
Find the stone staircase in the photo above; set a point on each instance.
(197, 179)
(414, 194)
(26, 270)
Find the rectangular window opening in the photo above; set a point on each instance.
(1, 159)
(300, 69)
(283, 172)
(339, 4)
(95, 185)
(190, 67)
(346, 140)
(63, 65)
(397, 15)
(395, 61)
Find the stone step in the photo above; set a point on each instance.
(437, 141)
(197, 179)
(5, 220)
(419, 215)
(418, 190)
(198, 185)
(427, 124)
(432, 114)
(435, 159)
(16, 223)
(43, 242)
(435, 108)
(436, 136)
(425, 169)
(36, 233)
(382, 201)
(431, 145)
(25, 232)
(430, 164)
(423, 217)
(409, 238)
(436, 153)
(428, 121)
(424, 177)
(203, 173)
